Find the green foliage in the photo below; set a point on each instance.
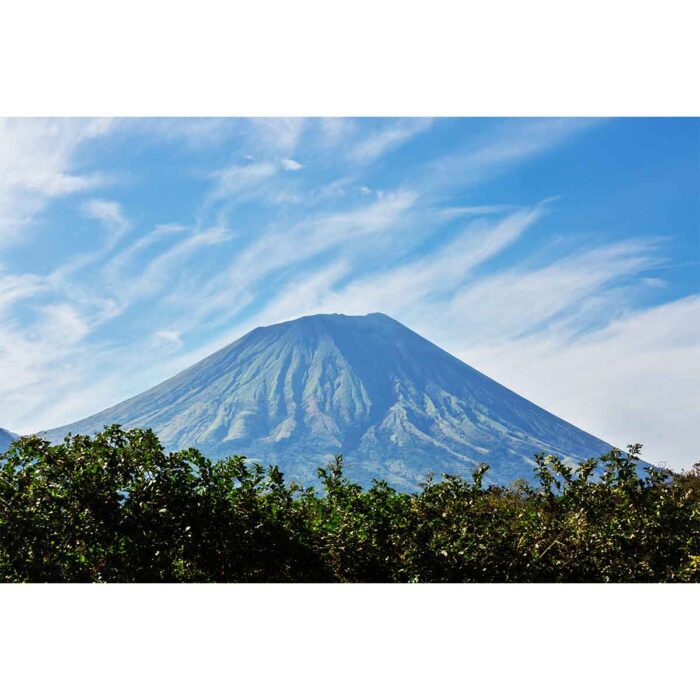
(116, 507)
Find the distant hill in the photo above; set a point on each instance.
(393, 403)
(6, 437)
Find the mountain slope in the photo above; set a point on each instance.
(394, 404)
(6, 437)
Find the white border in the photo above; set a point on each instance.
(326, 641)
(376, 57)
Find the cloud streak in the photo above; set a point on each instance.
(36, 157)
(385, 139)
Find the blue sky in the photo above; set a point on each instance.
(561, 257)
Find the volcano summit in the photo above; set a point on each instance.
(394, 404)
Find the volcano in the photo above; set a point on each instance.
(393, 403)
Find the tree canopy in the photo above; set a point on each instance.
(117, 508)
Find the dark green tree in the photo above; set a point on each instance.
(117, 507)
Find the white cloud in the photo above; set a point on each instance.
(65, 322)
(285, 197)
(163, 267)
(168, 338)
(509, 144)
(386, 139)
(277, 134)
(634, 380)
(239, 179)
(478, 210)
(404, 289)
(109, 213)
(332, 190)
(296, 295)
(289, 164)
(111, 217)
(225, 294)
(517, 301)
(115, 268)
(194, 132)
(520, 139)
(36, 353)
(335, 130)
(16, 287)
(35, 166)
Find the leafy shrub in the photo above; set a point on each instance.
(116, 507)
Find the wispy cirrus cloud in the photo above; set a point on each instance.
(114, 270)
(226, 293)
(36, 165)
(633, 379)
(385, 138)
(13, 288)
(520, 300)
(277, 135)
(406, 286)
(165, 266)
(239, 179)
(509, 145)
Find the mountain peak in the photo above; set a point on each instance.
(372, 317)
